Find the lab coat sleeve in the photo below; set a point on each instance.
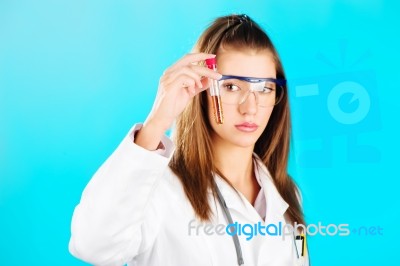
(117, 218)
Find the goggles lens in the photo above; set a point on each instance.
(236, 90)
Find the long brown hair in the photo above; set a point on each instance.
(193, 156)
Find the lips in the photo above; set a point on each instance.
(247, 127)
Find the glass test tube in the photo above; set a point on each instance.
(215, 93)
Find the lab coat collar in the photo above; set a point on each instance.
(275, 204)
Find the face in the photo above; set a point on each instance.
(245, 122)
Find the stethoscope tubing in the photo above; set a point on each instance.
(236, 241)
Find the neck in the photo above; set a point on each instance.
(236, 164)
(236, 168)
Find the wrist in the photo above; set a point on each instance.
(156, 126)
(149, 137)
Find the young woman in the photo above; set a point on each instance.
(220, 194)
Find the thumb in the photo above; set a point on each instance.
(205, 85)
(205, 82)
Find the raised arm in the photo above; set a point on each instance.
(118, 216)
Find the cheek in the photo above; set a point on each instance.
(264, 115)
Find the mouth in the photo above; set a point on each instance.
(247, 127)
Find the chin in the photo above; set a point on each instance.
(244, 142)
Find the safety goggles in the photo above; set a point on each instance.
(235, 90)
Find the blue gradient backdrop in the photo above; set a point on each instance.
(75, 75)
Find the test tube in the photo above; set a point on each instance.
(215, 93)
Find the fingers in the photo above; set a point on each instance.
(205, 85)
(196, 72)
(185, 82)
(206, 72)
(187, 71)
(194, 90)
(189, 60)
(193, 58)
(192, 77)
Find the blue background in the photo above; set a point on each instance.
(75, 75)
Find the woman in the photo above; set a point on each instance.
(198, 201)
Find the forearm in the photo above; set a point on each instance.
(149, 136)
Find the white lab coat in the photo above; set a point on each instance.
(134, 211)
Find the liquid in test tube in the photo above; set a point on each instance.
(215, 93)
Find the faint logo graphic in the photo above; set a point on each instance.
(344, 103)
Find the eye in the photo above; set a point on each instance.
(269, 87)
(231, 87)
(267, 90)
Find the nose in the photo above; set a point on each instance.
(249, 103)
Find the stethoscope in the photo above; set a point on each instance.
(235, 237)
